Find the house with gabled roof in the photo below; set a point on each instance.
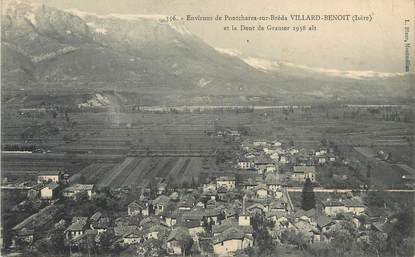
(226, 181)
(278, 217)
(245, 164)
(332, 207)
(156, 231)
(172, 217)
(82, 241)
(75, 190)
(23, 235)
(132, 238)
(49, 176)
(160, 204)
(230, 213)
(50, 191)
(261, 191)
(257, 208)
(222, 193)
(151, 221)
(211, 203)
(194, 227)
(230, 241)
(121, 230)
(272, 182)
(262, 164)
(174, 240)
(302, 173)
(136, 208)
(324, 225)
(77, 227)
(278, 206)
(220, 228)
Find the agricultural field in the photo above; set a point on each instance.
(116, 149)
(139, 171)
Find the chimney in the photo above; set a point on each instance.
(243, 204)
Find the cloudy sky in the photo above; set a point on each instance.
(376, 46)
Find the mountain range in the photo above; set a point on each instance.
(146, 55)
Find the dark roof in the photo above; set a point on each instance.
(302, 169)
(310, 213)
(226, 178)
(256, 206)
(52, 185)
(79, 187)
(352, 202)
(277, 204)
(191, 223)
(136, 205)
(277, 214)
(226, 225)
(263, 160)
(222, 190)
(77, 226)
(96, 216)
(323, 221)
(229, 234)
(123, 230)
(133, 234)
(151, 221)
(49, 172)
(25, 232)
(210, 212)
(193, 215)
(79, 219)
(161, 200)
(178, 234)
(261, 187)
(103, 222)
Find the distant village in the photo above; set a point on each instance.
(266, 197)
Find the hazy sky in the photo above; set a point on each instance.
(374, 46)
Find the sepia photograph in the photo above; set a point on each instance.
(207, 128)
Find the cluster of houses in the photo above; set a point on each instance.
(215, 217)
(212, 214)
(54, 183)
(295, 165)
(217, 213)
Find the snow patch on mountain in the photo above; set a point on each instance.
(262, 64)
(181, 28)
(31, 17)
(226, 51)
(351, 74)
(265, 65)
(98, 29)
(162, 19)
(131, 17)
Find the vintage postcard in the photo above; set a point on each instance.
(207, 128)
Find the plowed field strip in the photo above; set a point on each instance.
(183, 169)
(176, 168)
(107, 180)
(135, 175)
(119, 180)
(167, 167)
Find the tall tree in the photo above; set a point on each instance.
(308, 200)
